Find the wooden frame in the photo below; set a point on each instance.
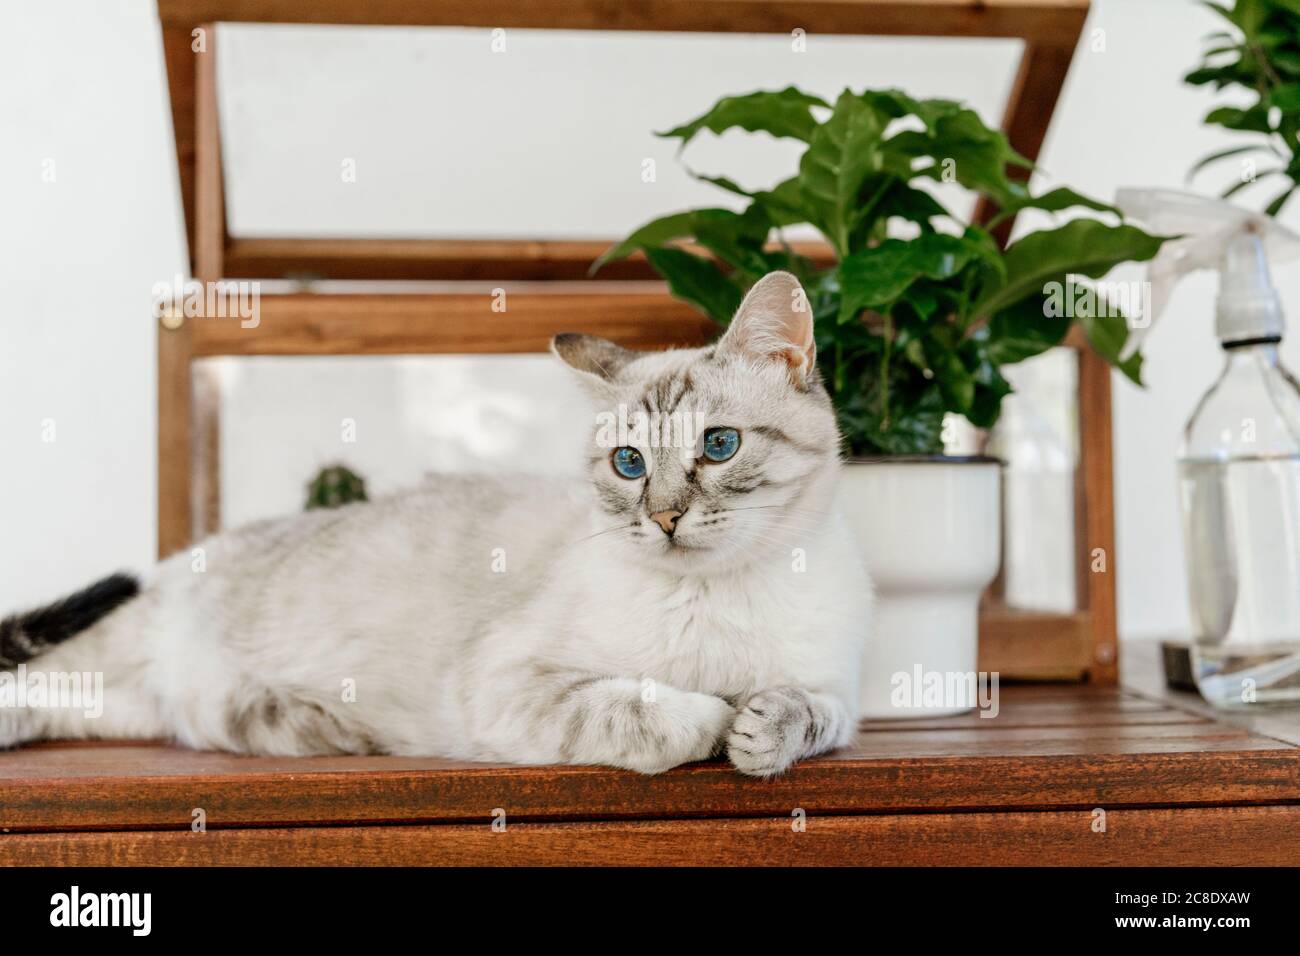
(1050, 30)
(1043, 646)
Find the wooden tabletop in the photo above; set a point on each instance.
(1033, 775)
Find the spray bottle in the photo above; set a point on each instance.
(1239, 467)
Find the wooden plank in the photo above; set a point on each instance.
(175, 454)
(427, 259)
(1041, 20)
(179, 58)
(1030, 645)
(209, 191)
(1091, 714)
(205, 425)
(1061, 740)
(199, 151)
(209, 266)
(446, 259)
(1078, 692)
(1021, 700)
(1073, 719)
(1256, 836)
(458, 322)
(89, 788)
(1097, 545)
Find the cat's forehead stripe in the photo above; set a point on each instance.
(665, 394)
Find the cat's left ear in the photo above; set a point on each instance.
(775, 324)
(596, 360)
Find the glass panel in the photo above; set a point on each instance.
(392, 420)
(364, 132)
(1038, 437)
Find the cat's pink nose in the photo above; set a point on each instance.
(667, 520)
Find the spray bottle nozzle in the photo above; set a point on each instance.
(1214, 234)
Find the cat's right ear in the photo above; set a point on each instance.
(596, 360)
(775, 324)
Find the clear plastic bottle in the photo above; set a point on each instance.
(1239, 469)
(1240, 481)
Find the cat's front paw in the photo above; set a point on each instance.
(771, 732)
(680, 727)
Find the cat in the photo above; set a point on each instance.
(679, 601)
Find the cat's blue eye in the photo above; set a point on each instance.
(628, 463)
(721, 443)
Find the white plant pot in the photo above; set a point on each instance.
(930, 532)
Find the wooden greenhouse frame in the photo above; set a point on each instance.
(548, 291)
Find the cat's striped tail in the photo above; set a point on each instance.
(30, 634)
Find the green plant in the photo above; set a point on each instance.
(907, 329)
(335, 486)
(1260, 55)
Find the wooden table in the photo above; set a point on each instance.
(1065, 774)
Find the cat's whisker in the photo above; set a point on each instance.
(791, 509)
(597, 534)
(815, 519)
(804, 527)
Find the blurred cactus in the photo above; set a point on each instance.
(335, 486)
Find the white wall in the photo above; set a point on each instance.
(546, 139)
(81, 89)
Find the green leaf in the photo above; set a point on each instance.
(1054, 200)
(1241, 184)
(1286, 97)
(735, 238)
(1107, 335)
(877, 277)
(1253, 120)
(1222, 11)
(1249, 15)
(783, 203)
(956, 384)
(698, 281)
(913, 426)
(1081, 246)
(1287, 61)
(990, 387)
(984, 247)
(896, 103)
(1223, 154)
(782, 113)
(908, 202)
(653, 233)
(962, 149)
(1276, 205)
(1024, 330)
(884, 197)
(842, 153)
(1220, 75)
(923, 301)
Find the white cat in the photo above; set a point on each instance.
(676, 603)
